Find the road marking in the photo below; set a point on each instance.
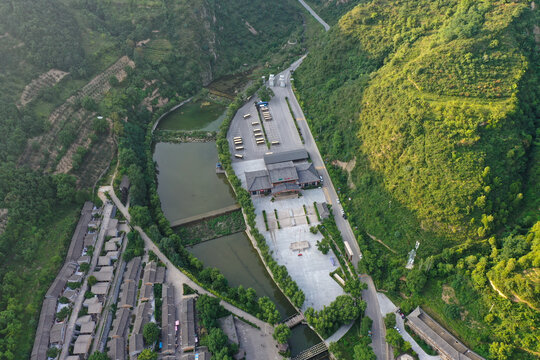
(327, 195)
(319, 167)
(300, 119)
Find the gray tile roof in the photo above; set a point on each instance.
(57, 333)
(117, 348)
(307, 173)
(128, 294)
(439, 337)
(187, 324)
(168, 318)
(291, 155)
(88, 327)
(257, 180)
(132, 269)
(120, 323)
(280, 172)
(284, 188)
(82, 344)
(136, 344)
(142, 317)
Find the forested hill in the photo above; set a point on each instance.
(62, 62)
(442, 97)
(435, 105)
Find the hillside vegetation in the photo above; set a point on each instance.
(437, 102)
(53, 148)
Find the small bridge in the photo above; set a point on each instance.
(312, 352)
(294, 320)
(206, 215)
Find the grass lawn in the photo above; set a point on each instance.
(345, 345)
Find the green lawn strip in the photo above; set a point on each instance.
(295, 120)
(265, 220)
(316, 211)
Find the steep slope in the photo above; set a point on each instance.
(441, 97)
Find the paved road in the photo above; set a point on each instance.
(80, 298)
(369, 295)
(176, 277)
(314, 14)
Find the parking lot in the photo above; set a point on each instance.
(281, 128)
(311, 269)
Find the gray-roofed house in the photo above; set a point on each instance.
(258, 182)
(90, 239)
(117, 348)
(73, 357)
(132, 269)
(77, 277)
(82, 344)
(307, 175)
(95, 309)
(290, 155)
(85, 259)
(187, 324)
(100, 288)
(322, 208)
(202, 353)
(282, 172)
(70, 294)
(448, 346)
(88, 327)
(111, 246)
(147, 292)
(104, 261)
(120, 324)
(83, 319)
(46, 319)
(142, 317)
(112, 229)
(128, 294)
(57, 333)
(113, 255)
(104, 274)
(168, 319)
(136, 344)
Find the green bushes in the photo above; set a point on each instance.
(265, 219)
(342, 310)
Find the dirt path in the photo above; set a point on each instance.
(382, 243)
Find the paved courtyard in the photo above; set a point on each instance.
(311, 269)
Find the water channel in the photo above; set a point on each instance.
(188, 186)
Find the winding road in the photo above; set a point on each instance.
(315, 15)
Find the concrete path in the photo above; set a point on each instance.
(338, 334)
(314, 14)
(206, 215)
(80, 298)
(176, 277)
(387, 306)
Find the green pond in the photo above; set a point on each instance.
(187, 181)
(198, 115)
